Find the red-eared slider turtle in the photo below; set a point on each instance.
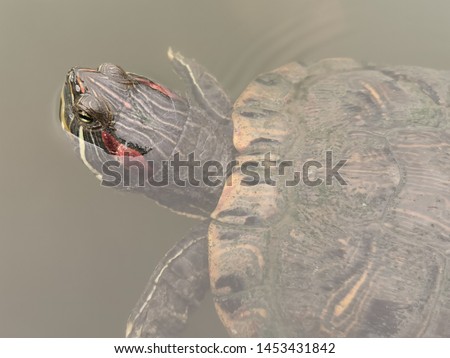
(336, 220)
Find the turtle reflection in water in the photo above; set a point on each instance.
(365, 259)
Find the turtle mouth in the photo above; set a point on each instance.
(66, 114)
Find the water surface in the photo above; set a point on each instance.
(75, 256)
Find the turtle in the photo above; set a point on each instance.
(333, 219)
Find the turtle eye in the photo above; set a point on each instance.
(85, 118)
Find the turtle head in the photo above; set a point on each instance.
(117, 111)
(113, 116)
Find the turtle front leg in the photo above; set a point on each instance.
(203, 88)
(177, 285)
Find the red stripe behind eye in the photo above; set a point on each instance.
(156, 87)
(114, 147)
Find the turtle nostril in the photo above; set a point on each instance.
(75, 81)
(79, 86)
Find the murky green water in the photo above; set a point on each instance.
(74, 256)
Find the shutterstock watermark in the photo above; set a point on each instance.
(135, 171)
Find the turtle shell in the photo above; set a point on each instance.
(363, 253)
